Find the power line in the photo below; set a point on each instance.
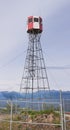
(12, 60)
(58, 67)
(48, 67)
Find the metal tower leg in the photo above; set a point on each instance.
(35, 76)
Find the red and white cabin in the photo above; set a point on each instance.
(34, 25)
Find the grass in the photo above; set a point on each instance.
(47, 111)
(32, 114)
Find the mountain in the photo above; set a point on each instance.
(53, 98)
(16, 95)
(1, 96)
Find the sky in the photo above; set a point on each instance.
(55, 40)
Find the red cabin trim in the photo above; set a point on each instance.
(36, 22)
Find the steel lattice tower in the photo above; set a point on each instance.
(35, 76)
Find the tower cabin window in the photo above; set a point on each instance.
(30, 20)
(35, 19)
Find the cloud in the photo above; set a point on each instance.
(6, 85)
(13, 18)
